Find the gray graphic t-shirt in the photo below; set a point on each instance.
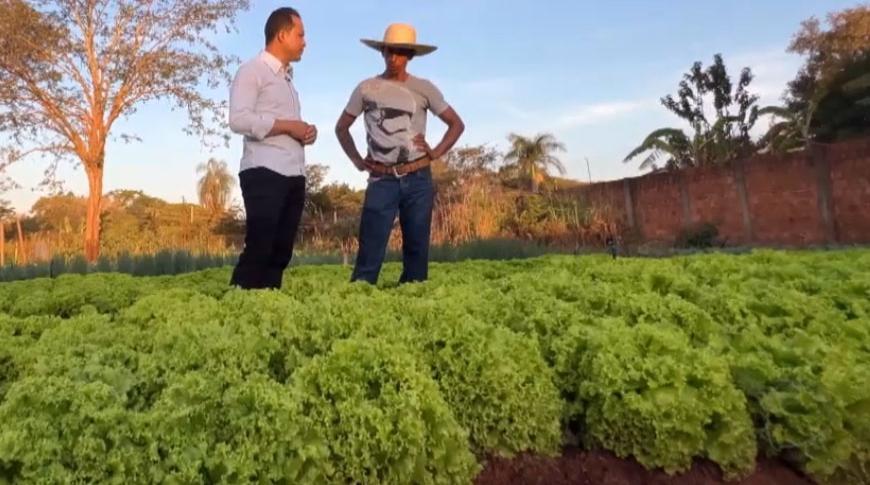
(395, 112)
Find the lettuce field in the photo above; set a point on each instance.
(115, 379)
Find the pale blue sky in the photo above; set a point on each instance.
(589, 72)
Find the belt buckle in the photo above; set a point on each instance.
(396, 172)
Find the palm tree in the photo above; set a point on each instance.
(789, 130)
(215, 185)
(665, 142)
(533, 156)
(825, 111)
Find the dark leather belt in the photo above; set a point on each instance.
(398, 169)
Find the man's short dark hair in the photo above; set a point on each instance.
(279, 20)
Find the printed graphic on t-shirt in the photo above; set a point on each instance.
(388, 111)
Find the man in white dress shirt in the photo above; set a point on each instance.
(264, 108)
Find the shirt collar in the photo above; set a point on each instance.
(275, 64)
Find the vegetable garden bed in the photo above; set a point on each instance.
(701, 364)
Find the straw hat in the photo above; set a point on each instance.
(400, 36)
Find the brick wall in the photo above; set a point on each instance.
(818, 196)
(714, 197)
(610, 197)
(658, 205)
(784, 200)
(850, 192)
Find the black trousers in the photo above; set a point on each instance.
(273, 205)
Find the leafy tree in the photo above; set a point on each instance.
(70, 69)
(829, 99)
(719, 132)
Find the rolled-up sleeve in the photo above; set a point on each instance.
(244, 118)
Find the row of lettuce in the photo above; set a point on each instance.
(110, 378)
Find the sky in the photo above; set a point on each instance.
(589, 72)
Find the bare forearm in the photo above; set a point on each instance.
(280, 127)
(451, 136)
(347, 144)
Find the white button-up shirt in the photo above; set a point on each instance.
(261, 93)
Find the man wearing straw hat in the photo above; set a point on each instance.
(394, 104)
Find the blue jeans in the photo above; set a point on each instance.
(412, 197)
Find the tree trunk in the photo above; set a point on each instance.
(92, 223)
(2, 244)
(20, 252)
(534, 175)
